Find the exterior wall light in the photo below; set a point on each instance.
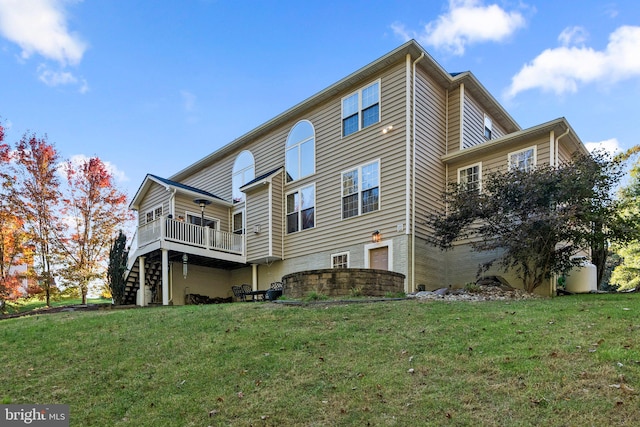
(376, 236)
(387, 129)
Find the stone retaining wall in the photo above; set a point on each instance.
(336, 282)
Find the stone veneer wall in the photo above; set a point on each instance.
(343, 282)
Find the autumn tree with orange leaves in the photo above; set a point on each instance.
(15, 250)
(93, 210)
(37, 196)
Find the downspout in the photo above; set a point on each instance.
(558, 139)
(172, 201)
(413, 182)
(554, 279)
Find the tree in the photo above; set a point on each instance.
(537, 220)
(37, 195)
(118, 257)
(627, 273)
(13, 238)
(93, 209)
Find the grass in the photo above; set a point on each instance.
(29, 304)
(554, 362)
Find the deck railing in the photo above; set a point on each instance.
(190, 234)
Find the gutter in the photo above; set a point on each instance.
(413, 183)
(556, 145)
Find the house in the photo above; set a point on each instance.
(343, 179)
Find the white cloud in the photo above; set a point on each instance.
(467, 22)
(573, 36)
(61, 77)
(40, 26)
(563, 69)
(611, 146)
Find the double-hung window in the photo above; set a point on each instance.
(469, 177)
(361, 109)
(301, 205)
(524, 160)
(361, 190)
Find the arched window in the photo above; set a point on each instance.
(243, 172)
(300, 154)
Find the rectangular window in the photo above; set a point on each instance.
(340, 260)
(524, 160)
(196, 219)
(488, 127)
(469, 177)
(301, 209)
(153, 214)
(238, 222)
(361, 109)
(361, 190)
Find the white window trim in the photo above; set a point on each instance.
(242, 173)
(239, 209)
(479, 164)
(315, 211)
(359, 92)
(489, 121)
(341, 254)
(359, 168)
(199, 215)
(153, 210)
(535, 155)
(368, 247)
(299, 146)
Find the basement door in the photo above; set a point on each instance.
(379, 258)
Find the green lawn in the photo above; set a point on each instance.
(553, 362)
(29, 304)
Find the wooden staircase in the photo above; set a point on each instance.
(153, 279)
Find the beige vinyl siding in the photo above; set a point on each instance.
(453, 120)
(564, 154)
(430, 172)
(497, 159)
(156, 196)
(185, 204)
(335, 154)
(473, 127)
(257, 215)
(277, 215)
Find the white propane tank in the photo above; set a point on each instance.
(583, 278)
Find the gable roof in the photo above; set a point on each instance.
(559, 126)
(262, 179)
(175, 186)
(412, 48)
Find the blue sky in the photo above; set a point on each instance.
(153, 86)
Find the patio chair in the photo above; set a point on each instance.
(238, 292)
(255, 295)
(275, 291)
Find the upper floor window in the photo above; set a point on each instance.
(469, 177)
(301, 209)
(237, 225)
(300, 158)
(361, 109)
(193, 218)
(488, 127)
(243, 172)
(524, 160)
(153, 214)
(361, 190)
